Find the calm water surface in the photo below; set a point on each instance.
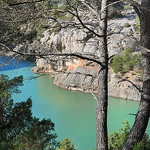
(72, 112)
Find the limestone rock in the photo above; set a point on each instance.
(82, 79)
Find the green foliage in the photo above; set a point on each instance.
(114, 11)
(40, 25)
(45, 5)
(127, 7)
(18, 128)
(137, 24)
(144, 144)
(126, 25)
(140, 75)
(9, 86)
(89, 63)
(66, 145)
(117, 140)
(4, 146)
(37, 136)
(117, 63)
(126, 62)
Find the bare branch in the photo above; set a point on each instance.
(111, 57)
(79, 19)
(25, 2)
(145, 49)
(135, 4)
(89, 6)
(78, 73)
(92, 31)
(139, 89)
(78, 55)
(113, 3)
(94, 96)
(132, 114)
(137, 10)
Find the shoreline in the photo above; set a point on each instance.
(84, 83)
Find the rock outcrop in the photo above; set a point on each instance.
(85, 79)
(73, 40)
(80, 77)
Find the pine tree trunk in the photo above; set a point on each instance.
(101, 113)
(142, 117)
(102, 100)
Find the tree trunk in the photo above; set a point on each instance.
(142, 117)
(102, 100)
(101, 113)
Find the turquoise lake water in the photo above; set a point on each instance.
(74, 113)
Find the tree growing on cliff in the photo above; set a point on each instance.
(18, 128)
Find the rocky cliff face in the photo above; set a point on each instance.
(79, 76)
(79, 79)
(73, 40)
(85, 79)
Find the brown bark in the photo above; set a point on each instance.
(142, 117)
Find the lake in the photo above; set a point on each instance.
(74, 113)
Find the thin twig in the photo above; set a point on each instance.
(94, 96)
(132, 114)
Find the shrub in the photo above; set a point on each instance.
(116, 140)
(136, 60)
(66, 145)
(126, 62)
(137, 24)
(88, 63)
(126, 25)
(117, 63)
(140, 75)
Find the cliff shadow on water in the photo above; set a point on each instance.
(10, 63)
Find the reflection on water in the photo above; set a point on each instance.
(74, 113)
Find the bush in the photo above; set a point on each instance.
(126, 25)
(114, 11)
(66, 145)
(117, 63)
(117, 140)
(140, 75)
(126, 62)
(137, 24)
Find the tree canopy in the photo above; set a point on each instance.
(18, 128)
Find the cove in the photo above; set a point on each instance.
(74, 113)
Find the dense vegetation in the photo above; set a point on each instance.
(127, 62)
(117, 140)
(66, 145)
(18, 128)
